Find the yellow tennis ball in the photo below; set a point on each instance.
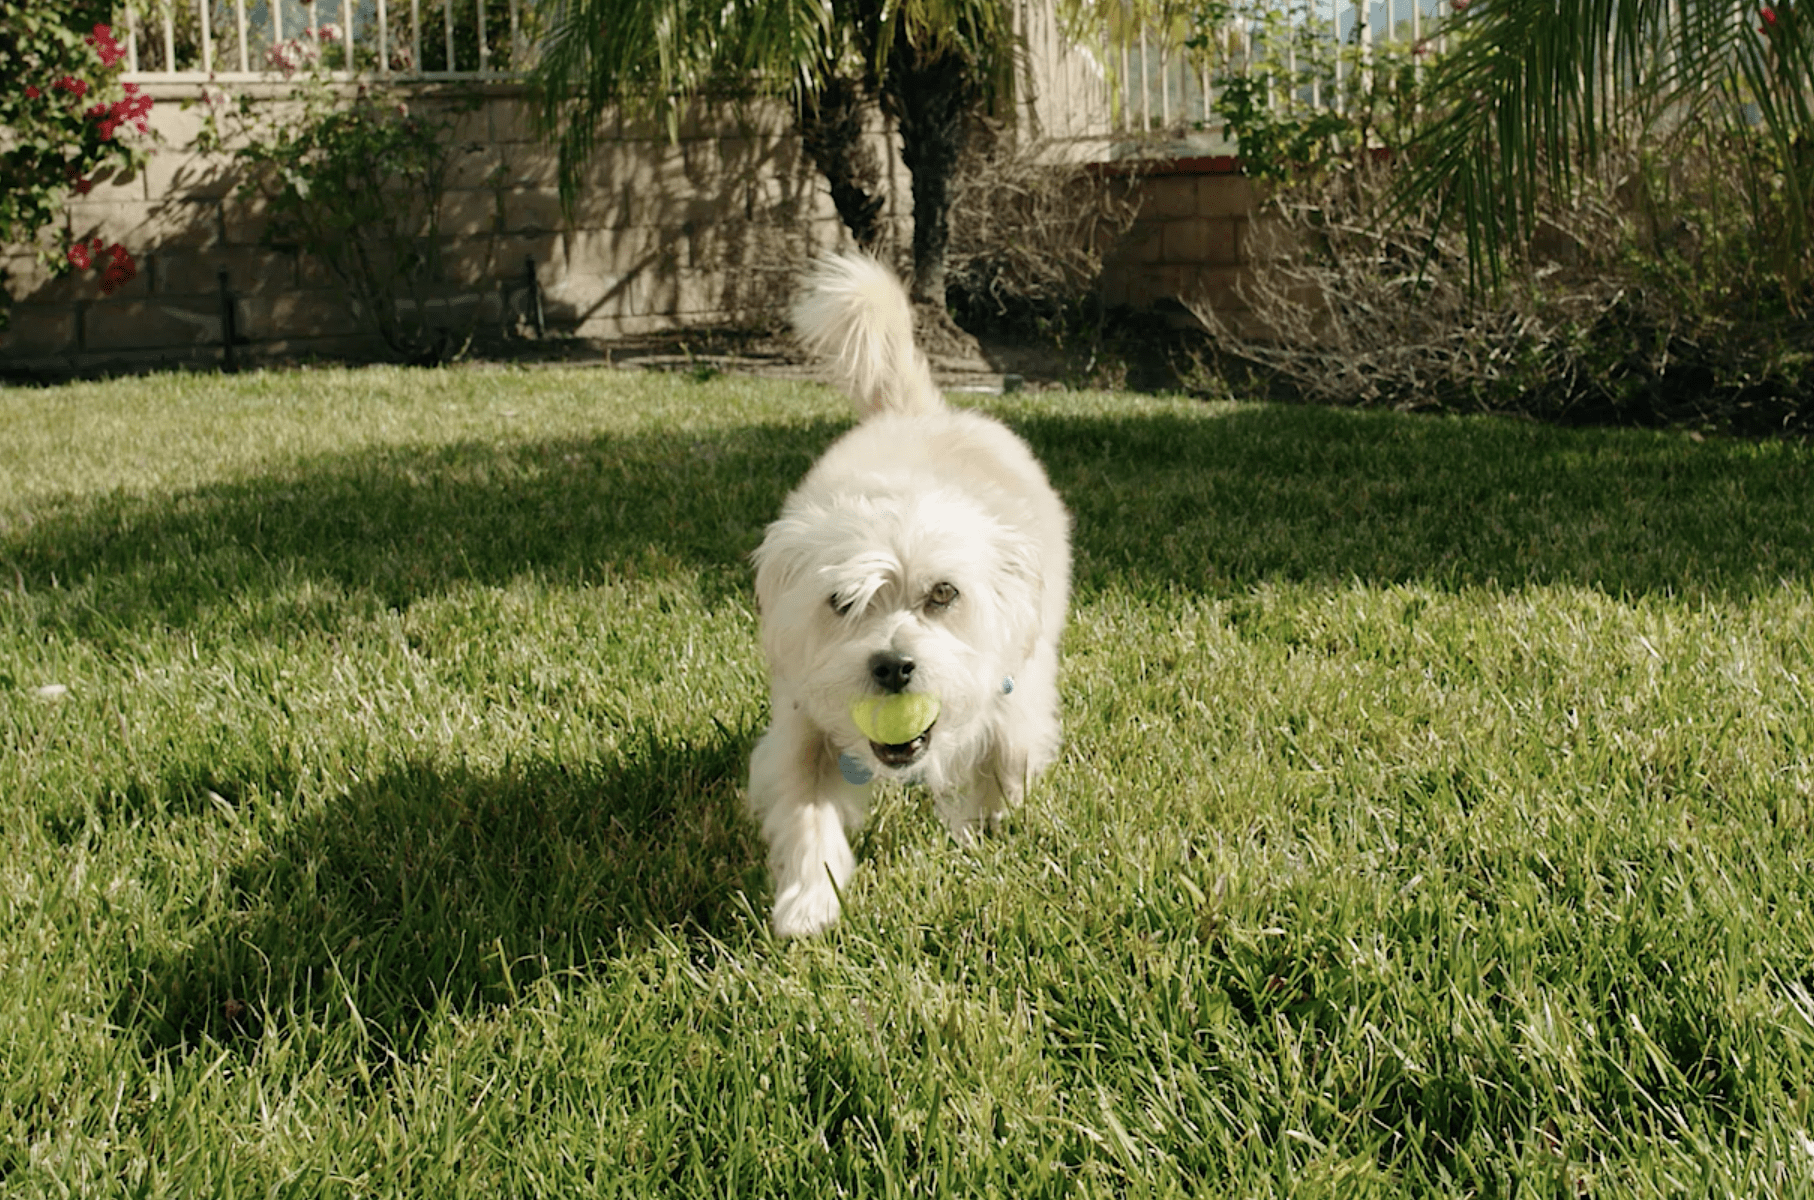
(894, 719)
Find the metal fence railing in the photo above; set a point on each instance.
(228, 41)
(1163, 81)
(1146, 80)
(1132, 77)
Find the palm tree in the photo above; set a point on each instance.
(1538, 90)
(932, 65)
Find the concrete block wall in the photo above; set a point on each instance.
(1193, 239)
(709, 230)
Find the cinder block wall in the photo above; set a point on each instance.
(709, 230)
(1192, 240)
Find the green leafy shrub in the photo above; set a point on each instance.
(1293, 99)
(355, 177)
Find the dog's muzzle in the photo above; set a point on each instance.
(906, 753)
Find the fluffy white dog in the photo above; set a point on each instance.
(921, 571)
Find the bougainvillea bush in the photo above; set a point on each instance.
(63, 113)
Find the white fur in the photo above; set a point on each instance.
(916, 495)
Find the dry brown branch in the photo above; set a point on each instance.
(1028, 233)
(1603, 321)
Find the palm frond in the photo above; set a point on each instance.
(648, 59)
(1538, 89)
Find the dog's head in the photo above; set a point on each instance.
(863, 594)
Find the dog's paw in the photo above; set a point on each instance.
(802, 910)
(969, 822)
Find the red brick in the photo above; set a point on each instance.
(1169, 196)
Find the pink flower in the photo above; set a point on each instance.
(104, 44)
(75, 87)
(135, 110)
(31, 92)
(1459, 6)
(1769, 16)
(119, 272)
(78, 256)
(290, 55)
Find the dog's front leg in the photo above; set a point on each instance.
(806, 809)
(980, 807)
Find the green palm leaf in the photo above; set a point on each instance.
(643, 59)
(1537, 90)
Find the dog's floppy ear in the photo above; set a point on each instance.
(781, 565)
(780, 559)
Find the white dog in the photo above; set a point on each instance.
(924, 556)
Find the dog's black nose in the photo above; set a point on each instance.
(891, 671)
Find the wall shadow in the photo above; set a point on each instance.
(1160, 501)
(433, 886)
(1318, 495)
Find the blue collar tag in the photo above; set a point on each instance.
(853, 770)
(1007, 684)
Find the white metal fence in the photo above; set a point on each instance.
(1152, 81)
(228, 41)
(1165, 82)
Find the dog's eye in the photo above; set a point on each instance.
(841, 607)
(941, 596)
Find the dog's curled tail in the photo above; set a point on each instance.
(853, 311)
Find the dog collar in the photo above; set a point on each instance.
(855, 771)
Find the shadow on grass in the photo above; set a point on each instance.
(428, 886)
(1161, 502)
(1330, 496)
(394, 525)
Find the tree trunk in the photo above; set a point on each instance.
(931, 95)
(831, 132)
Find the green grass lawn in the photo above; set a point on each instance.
(1434, 817)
